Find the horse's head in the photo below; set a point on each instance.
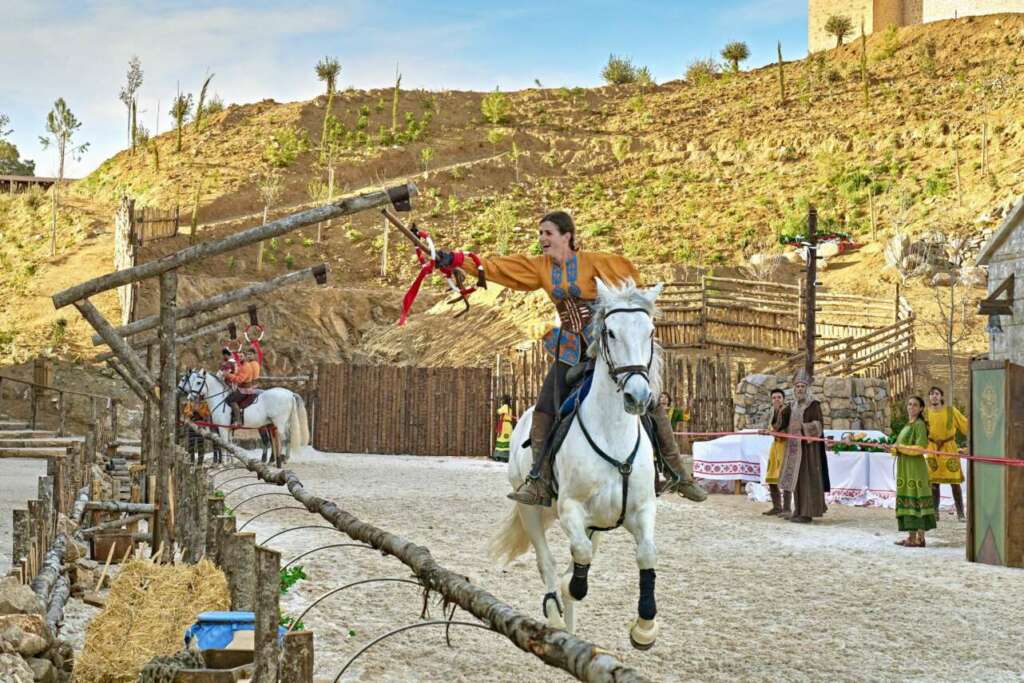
(193, 384)
(623, 328)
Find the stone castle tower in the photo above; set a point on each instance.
(878, 14)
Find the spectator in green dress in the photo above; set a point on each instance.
(915, 512)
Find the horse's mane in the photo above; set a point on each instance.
(627, 295)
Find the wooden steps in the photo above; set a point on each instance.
(38, 453)
(26, 434)
(56, 441)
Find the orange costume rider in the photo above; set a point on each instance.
(569, 278)
(244, 382)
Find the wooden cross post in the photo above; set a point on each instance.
(168, 405)
(812, 276)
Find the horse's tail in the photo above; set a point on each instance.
(296, 428)
(511, 540)
(303, 419)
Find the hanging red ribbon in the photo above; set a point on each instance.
(428, 265)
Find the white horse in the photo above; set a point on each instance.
(604, 468)
(280, 407)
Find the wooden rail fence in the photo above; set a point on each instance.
(403, 410)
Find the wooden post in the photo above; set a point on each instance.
(871, 206)
(297, 659)
(268, 614)
(238, 556)
(63, 414)
(812, 276)
(35, 405)
(22, 535)
(168, 404)
(896, 304)
(384, 251)
(118, 345)
(214, 510)
(114, 426)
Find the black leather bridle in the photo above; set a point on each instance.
(621, 374)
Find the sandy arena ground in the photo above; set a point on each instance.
(740, 596)
(20, 479)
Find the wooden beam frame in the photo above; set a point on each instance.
(190, 330)
(342, 207)
(132, 364)
(214, 302)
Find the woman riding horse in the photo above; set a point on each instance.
(568, 276)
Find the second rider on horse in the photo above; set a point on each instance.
(244, 381)
(568, 276)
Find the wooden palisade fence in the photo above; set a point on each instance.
(408, 410)
(133, 228)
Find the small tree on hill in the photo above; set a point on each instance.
(61, 125)
(133, 82)
(619, 71)
(327, 70)
(839, 26)
(734, 53)
(495, 106)
(181, 107)
(201, 105)
(270, 188)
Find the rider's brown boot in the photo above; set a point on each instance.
(236, 414)
(536, 490)
(682, 483)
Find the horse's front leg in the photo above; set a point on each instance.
(574, 583)
(644, 629)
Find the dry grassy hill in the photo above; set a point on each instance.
(701, 173)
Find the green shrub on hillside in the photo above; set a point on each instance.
(890, 43)
(284, 147)
(495, 107)
(701, 72)
(619, 71)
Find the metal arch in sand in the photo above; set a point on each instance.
(245, 486)
(222, 470)
(334, 591)
(262, 495)
(409, 627)
(260, 514)
(296, 528)
(238, 478)
(325, 547)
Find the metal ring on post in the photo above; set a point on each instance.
(333, 591)
(261, 495)
(409, 628)
(325, 547)
(296, 528)
(249, 327)
(260, 514)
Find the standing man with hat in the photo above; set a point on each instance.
(805, 467)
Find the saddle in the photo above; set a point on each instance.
(247, 400)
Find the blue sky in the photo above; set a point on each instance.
(80, 50)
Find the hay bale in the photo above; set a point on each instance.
(148, 609)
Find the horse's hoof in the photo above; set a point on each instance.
(643, 633)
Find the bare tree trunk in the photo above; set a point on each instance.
(259, 250)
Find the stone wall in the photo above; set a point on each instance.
(846, 403)
(878, 14)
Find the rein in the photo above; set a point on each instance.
(620, 375)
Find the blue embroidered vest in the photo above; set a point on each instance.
(568, 343)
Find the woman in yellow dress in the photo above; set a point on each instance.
(504, 430)
(780, 418)
(943, 424)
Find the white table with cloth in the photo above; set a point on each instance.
(858, 478)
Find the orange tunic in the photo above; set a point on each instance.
(529, 273)
(247, 373)
(571, 286)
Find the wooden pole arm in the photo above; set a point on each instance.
(342, 207)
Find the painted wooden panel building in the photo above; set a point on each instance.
(1004, 256)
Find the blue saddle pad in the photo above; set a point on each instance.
(578, 393)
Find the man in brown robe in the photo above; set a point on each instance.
(805, 468)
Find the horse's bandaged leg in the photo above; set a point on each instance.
(578, 583)
(646, 607)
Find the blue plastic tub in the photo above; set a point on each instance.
(215, 630)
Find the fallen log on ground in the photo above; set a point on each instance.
(115, 523)
(557, 648)
(50, 583)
